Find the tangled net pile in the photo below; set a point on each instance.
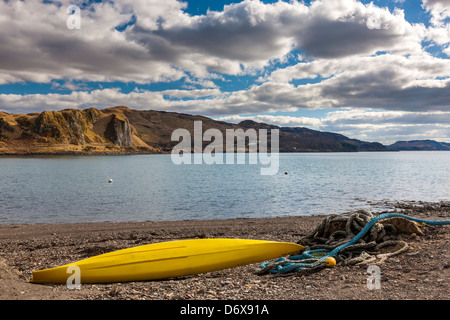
(340, 229)
(353, 238)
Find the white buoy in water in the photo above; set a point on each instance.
(110, 180)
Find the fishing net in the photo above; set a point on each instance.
(352, 238)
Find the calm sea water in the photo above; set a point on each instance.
(150, 187)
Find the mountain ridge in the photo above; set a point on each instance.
(419, 145)
(121, 130)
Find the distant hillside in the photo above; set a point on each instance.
(122, 130)
(296, 139)
(416, 145)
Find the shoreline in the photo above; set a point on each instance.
(131, 153)
(81, 153)
(420, 273)
(137, 152)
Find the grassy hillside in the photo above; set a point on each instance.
(122, 130)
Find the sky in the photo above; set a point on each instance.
(372, 70)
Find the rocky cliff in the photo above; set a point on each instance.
(122, 130)
(69, 131)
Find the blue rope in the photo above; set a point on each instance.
(322, 254)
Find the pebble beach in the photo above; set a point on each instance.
(422, 273)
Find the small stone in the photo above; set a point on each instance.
(114, 291)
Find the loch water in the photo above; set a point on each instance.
(74, 189)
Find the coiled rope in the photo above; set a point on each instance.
(322, 243)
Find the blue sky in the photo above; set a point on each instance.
(372, 70)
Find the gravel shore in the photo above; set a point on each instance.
(422, 273)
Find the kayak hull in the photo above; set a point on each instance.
(168, 260)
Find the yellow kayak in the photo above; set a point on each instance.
(168, 259)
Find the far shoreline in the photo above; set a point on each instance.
(140, 152)
(131, 153)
